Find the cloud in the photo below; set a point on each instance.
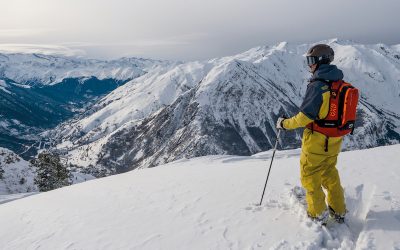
(157, 47)
(173, 40)
(40, 49)
(195, 29)
(183, 39)
(17, 33)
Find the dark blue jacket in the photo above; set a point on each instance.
(313, 99)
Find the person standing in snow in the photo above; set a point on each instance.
(319, 152)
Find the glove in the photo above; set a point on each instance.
(279, 123)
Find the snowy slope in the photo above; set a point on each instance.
(229, 106)
(18, 176)
(209, 203)
(51, 69)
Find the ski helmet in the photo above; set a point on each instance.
(320, 54)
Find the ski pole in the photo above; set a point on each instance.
(270, 165)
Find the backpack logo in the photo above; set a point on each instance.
(333, 109)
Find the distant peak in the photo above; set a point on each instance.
(281, 45)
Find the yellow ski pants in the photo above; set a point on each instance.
(318, 170)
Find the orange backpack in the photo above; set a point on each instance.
(341, 117)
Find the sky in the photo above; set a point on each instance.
(188, 29)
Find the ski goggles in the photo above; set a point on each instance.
(312, 60)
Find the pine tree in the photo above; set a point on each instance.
(1, 170)
(50, 172)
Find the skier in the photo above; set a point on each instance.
(319, 151)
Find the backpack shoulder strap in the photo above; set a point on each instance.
(320, 80)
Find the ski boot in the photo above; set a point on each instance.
(339, 218)
(322, 219)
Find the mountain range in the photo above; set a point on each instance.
(115, 116)
(38, 92)
(228, 105)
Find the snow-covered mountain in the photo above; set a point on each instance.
(34, 69)
(229, 106)
(16, 174)
(38, 92)
(209, 203)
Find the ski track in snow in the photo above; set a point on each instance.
(210, 203)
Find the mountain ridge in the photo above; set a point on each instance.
(41, 69)
(236, 97)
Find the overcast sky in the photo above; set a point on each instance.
(190, 29)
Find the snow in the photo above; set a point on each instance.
(3, 86)
(18, 176)
(11, 197)
(21, 85)
(209, 203)
(78, 177)
(396, 47)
